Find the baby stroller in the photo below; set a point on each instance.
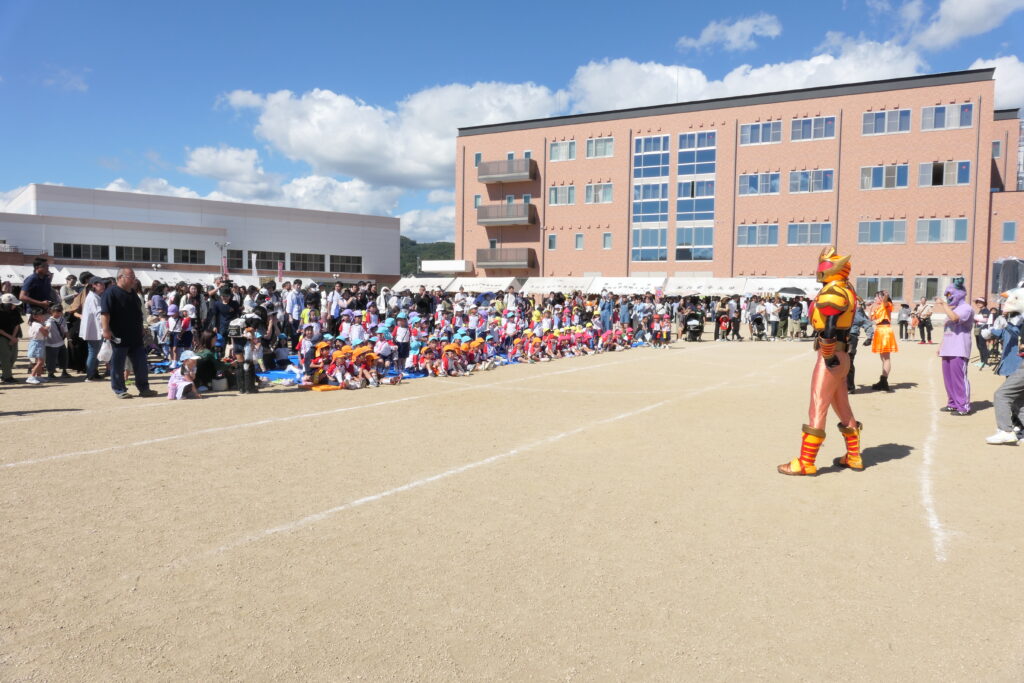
(757, 322)
(694, 324)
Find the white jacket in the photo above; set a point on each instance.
(91, 328)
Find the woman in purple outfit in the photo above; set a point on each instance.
(955, 348)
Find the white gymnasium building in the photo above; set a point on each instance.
(176, 238)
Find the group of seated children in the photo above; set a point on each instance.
(363, 355)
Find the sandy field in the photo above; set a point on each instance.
(610, 518)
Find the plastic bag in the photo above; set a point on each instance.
(106, 352)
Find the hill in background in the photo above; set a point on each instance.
(428, 251)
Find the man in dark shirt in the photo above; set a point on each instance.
(37, 289)
(10, 331)
(121, 316)
(221, 314)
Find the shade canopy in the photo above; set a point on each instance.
(544, 285)
(413, 283)
(484, 284)
(627, 285)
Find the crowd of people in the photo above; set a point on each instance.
(353, 336)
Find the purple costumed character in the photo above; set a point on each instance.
(956, 347)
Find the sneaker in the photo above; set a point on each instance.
(148, 393)
(1001, 437)
(946, 409)
(960, 413)
(33, 380)
(123, 394)
(65, 375)
(51, 375)
(43, 380)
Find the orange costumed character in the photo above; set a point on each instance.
(834, 308)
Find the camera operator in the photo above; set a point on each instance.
(245, 334)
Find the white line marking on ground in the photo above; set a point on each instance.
(334, 411)
(939, 533)
(320, 516)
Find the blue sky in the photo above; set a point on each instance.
(354, 106)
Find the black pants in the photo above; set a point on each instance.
(851, 349)
(925, 327)
(983, 349)
(903, 328)
(734, 328)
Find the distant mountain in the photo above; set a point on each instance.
(428, 251)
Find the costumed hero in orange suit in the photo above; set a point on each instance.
(834, 308)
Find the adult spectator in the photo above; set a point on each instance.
(10, 331)
(69, 290)
(221, 314)
(121, 316)
(924, 320)
(982, 319)
(36, 290)
(91, 327)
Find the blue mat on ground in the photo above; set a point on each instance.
(277, 374)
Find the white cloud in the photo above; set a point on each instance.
(1009, 80)
(440, 196)
(958, 19)
(151, 186)
(238, 172)
(71, 80)
(622, 83)
(411, 146)
(6, 197)
(328, 194)
(736, 35)
(429, 225)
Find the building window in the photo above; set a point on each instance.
(867, 287)
(884, 122)
(650, 203)
(757, 235)
(563, 151)
(997, 149)
(96, 252)
(193, 256)
(695, 244)
(695, 200)
(884, 177)
(814, 128)
(346, 264)
(650, 157)
(154, 254)
(882, 232)
(579, 241)
(599, 148)
(946, 117)
(930, 287)
(510, 156)
(943, 173)
(477, 158)
(809, 233)
(1009, 231)
(234, 258)
(759, 183)
(810, 181)
(310, 262)
(937, 230)
(492, 243)
(761, 133)
(552, 242)
(600, 193)
(476, 201)
(562, 196)
(268, 260)
(606, 240)
(527, 198)
(697, 153)
(527, 154)
(650, 244)
(510, 199)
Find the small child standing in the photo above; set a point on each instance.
(56, 353)
(38, 333)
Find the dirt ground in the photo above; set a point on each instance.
(616, 517)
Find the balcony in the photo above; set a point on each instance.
(507, 214)
(506, 171)
(521, 258)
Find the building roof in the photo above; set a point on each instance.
(1006, 114)
(925, 81)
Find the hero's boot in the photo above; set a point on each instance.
(809, 446)
(852, 458)
(882, 384)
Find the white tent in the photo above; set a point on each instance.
(10, 273)
(626, 285)
(688, 286)
(771, 285)
(726, 286)
(543, 285)
(413, 283)
(484, 284)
